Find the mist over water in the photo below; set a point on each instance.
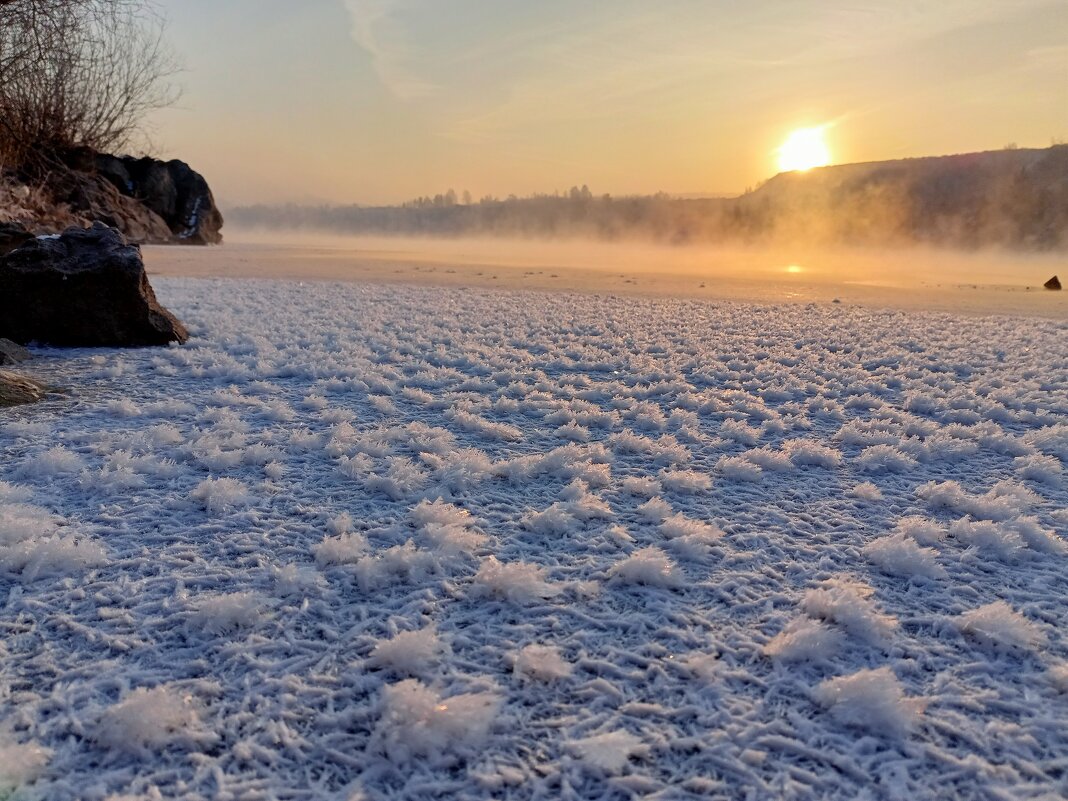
(1012, 199)
(976, 232)
(986, 281)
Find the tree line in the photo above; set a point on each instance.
(1010, 198)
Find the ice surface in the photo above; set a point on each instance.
(395, 542)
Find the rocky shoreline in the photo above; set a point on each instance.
(71, 272)
(150, 201)
(86, 287)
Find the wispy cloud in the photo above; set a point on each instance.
(376, 29)
(479, 69)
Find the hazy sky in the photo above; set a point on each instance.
(382, 100)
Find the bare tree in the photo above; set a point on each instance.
(78, 73)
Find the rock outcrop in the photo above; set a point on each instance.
(16, 389)
(92, 198)
(1054, 283)
(172, 190)
(86, 287)
(149, 201)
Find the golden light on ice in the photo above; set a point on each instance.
(794, 268)
(803, 150)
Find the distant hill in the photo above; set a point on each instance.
(1012, 198)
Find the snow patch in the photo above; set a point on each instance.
(689, 482)
(519, 582)
(900, 555)
(873, 700)
(865, 491)
(416, 721)
(804, 452)
(922, 529)
(1000, 627)
(610, 752)
(344, 549)
(147, 720)
(410, 652)
(649, 566)
(848, 603)
(541, 662)
(738, 468)
(803, 640)
(225, 613)
(884, 459)
(221, 494)
(57, 461)
(1043, 469)
(21, 763)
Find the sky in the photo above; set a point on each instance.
(380, 101)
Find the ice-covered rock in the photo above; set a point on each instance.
(87, 287)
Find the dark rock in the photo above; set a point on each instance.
(114, 170)
(95, 198)
(13, 235)
(174, 191)
(1053, 283)
(16, 389)
(12, 353)
(86, 287)
(150, 201)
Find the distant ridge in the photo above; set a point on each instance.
(1012, 198)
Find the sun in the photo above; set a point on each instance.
(803, 150)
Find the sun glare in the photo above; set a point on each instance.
(803, 150)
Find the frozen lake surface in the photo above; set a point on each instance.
(368, 541)
(966, 283)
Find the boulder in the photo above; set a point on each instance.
(1053, 283)
(16, 389)
(12, 353)
(13, 235)
(86, 287)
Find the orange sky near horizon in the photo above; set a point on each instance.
(379, 101)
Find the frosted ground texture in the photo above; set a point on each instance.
(357, 542)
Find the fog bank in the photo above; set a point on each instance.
(987, 282)
(1015, 199)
